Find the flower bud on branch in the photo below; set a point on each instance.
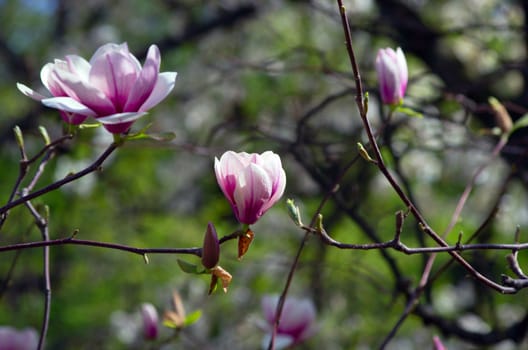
(392, 74)
(211, 248)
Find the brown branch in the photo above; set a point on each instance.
(72, 177)
(83, 242)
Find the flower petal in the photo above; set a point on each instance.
(227, 169)
(271, 162)
(30, 92)
(114, 73)
(68, 104)
(402, 66)
(47, 79)
(391, 67)
(297, 318)
(252, 192)
(120, 122)
(119, 118)
(145, 82)
(269, 306)
(164, 85)
(111, 47)
(83, 92)
(72, 118)
(388, 76)
(78, 65)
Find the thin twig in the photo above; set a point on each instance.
(71, 177)
(72, 240)
(42, 224)
(23, 169)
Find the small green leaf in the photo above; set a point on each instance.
(163, 137)
(193, 317)
(522, 122)
(190, 267)
(408, 111)
(169, 324)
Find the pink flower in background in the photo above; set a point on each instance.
(112, 87)
(392, 74)
(297, 321)
(13, 339)
(437, 344)
(149, 315)
(252, 183)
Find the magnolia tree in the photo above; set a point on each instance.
(261, 182)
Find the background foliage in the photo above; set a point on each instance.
(259, 75)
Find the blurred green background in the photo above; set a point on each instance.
(271, 75)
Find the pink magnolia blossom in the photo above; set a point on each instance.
(297, 321)
(149, 314)
(437, 344)
(112, 87)
(13, 339)
(252, 183)
(392, 74)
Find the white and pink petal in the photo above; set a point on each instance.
(68, 104)
(164, 85)
(146, 81)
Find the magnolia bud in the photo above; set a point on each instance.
(19, 136)
(502, 117)
(211, 248)
(150, 321)
(392, 74)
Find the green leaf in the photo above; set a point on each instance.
(169, 324)
(193, 317)
(166, 136)
(408, 111)
(522, 122)
(188, 267)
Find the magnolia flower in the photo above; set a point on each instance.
(149, 315)
(252, 183)
(437, 344)
(112, 87)
(297, 321)
(13, 339)
(392, 74)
